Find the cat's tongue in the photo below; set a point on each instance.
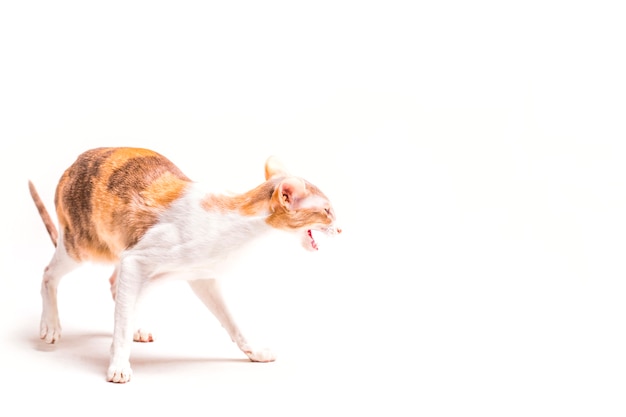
(308, 242)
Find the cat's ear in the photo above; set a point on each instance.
(274, 168)
(290, 192)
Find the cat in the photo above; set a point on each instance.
(134, 208)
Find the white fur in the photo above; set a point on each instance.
(187, 243)
(188, 237)
(312, 201)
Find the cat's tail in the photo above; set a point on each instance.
(45, 216)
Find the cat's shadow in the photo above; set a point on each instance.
(91, 349)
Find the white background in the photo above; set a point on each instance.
(473, 152)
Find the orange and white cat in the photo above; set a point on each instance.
(134, 208)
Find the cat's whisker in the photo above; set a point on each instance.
(332, 230)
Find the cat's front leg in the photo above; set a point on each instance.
(208, 291)
(141, 334)
(129, 288)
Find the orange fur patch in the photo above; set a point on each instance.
(268, 199)
(110, 197)
(254, 202)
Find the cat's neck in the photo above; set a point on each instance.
(230, 222)
(254, 203)
(204, 228)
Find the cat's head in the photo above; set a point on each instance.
(297, 205)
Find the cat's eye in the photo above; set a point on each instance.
(327, 210)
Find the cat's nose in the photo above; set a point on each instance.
(338, 230)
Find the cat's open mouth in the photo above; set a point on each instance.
(308, 240)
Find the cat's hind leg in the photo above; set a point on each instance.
(60, 265)
(208, 291)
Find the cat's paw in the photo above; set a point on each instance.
(262, 355)
(50, 330)
(143, 336)
(119, 374)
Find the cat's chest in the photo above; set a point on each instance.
(189, 235)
